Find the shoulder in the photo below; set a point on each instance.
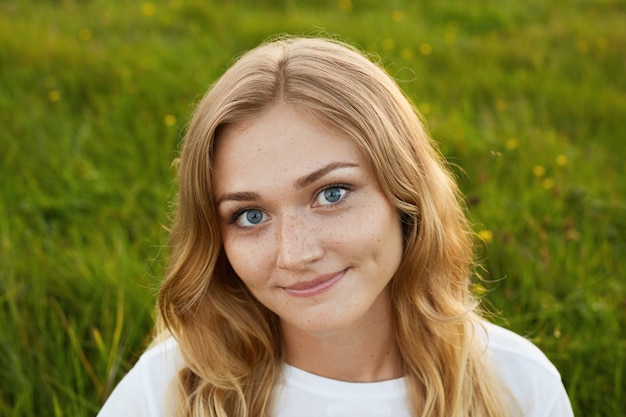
(527, 373)
(162, 357)
(147, 389)
(513, 348)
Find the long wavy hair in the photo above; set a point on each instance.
(231, 343)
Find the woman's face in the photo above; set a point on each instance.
(304, 222)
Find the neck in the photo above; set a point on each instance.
(365, 352)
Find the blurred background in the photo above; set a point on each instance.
(526, 99)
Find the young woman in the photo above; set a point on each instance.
(320, 260)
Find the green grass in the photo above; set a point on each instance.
(527, 99)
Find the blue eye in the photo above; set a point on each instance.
(331, 195)
(254, 216)
(249, 218)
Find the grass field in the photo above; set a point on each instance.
(528, 101)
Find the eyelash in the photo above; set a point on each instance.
(238, 213)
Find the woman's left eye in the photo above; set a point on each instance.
(330, 195)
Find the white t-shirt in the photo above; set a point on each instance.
(528, 374)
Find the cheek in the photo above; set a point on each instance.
(383, 235)
(372, 232)
(248, 257)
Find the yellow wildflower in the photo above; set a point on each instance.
(479, 289)
(148, 9)
(561, 160)
(511, 144)
(486, 235)
(602, 42)
(397, 16)
(345, 5)
(170, 120)
(84, 34)
(548, 183)
(54, 95)
(449, 37)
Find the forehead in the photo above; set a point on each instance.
(281, 144)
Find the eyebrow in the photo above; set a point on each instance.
(319, 173)
(298, 184)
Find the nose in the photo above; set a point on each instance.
(298, 242)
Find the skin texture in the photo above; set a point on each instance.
(309, 231)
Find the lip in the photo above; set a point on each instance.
(315, 286)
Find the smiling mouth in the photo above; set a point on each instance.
(315, 286)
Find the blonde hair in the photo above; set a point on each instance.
(231, 343)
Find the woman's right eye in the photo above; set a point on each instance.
(248, 217)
